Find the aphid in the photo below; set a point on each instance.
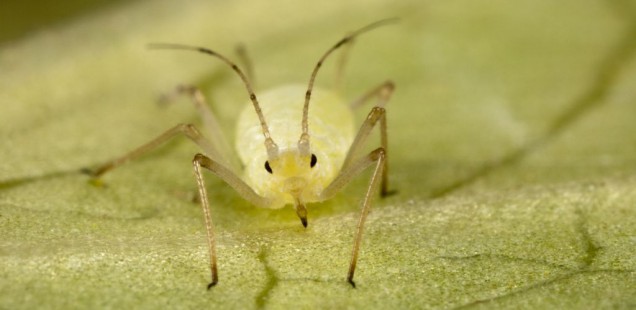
(307, 157)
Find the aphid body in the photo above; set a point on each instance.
(292, 177)
(308, 155)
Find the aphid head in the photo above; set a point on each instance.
(291, 175)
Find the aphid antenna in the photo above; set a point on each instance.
(272, 148)
(303, 142)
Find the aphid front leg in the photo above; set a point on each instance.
(378, 157)
(352, 168)
(237, 184)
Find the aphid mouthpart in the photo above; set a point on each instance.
(301, 211)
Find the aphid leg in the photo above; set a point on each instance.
(246, 61)
(377, 113)
(210, 125)
(237, 184)
(342, 63)
(378, 156)
(186, 129)
(352, 168)
(382, 91)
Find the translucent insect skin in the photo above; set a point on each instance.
(331, 130)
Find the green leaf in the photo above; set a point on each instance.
(512, 145)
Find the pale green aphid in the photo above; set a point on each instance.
(307, 157)
(331, 135)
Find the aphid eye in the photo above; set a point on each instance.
(314, 160)
(267, 167)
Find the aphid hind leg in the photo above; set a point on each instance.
(378, 113)
(235, 182)
(378, 156)
(186, 129)
(210, 124)
(342, 63)
(246, 61)
(383, 92)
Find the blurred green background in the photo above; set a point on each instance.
(21, 18)
(512, 144)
